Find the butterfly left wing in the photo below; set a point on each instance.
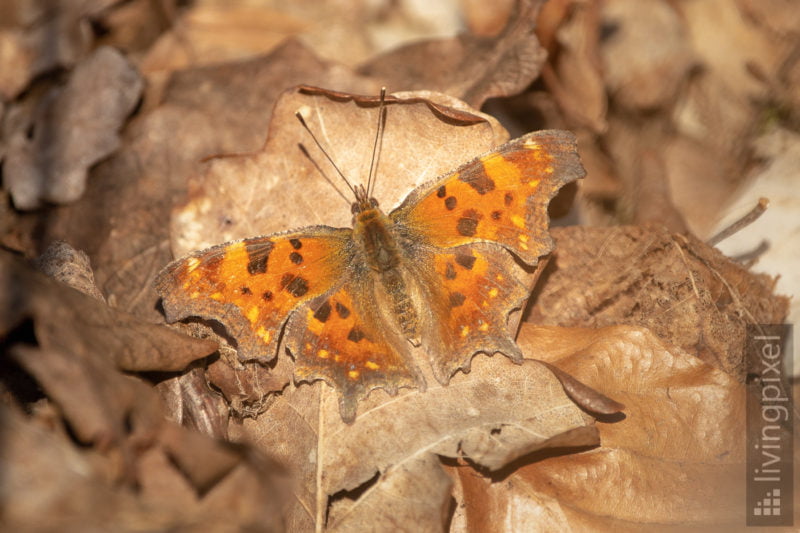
(460, 222)
(500, 197)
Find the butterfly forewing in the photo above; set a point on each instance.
(501, 197)
(252, 286)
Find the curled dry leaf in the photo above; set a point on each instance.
(674, 461)
(687, 293)
(74, 128)
(64, 263)
(573, 74)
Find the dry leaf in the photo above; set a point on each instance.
(573, 73)
(495, 414)
(68, 321)
(675, 460)
(74, 127)
(471, 68)
(64, 263)
(209, 33)
(38, 36)
(122, 220)
(687, 293)
(646, 55)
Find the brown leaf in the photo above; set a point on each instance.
(675, 460)
(121, 222)
(37, 37)
(573, 73)
(646, 54)
(73, 128)
(472, 68)
(688, 294)
(497, 413)
(64, 263)
(209, 33)
(66, 320)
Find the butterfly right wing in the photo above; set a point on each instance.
(253, 285)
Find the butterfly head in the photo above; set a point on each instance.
(364, 202)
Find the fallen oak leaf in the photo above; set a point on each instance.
(674, 461)
(497, 413)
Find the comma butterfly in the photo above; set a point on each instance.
(350, 304)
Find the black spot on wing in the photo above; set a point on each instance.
(480, 181)
(441, 192)
(294, 285)
(296, 244)
(355, 335)
(466, 260)
(457, 299)
(342, 310)
(323, 313)
(468, 223)
(298, 287)
(295, 258)
(450, 203)
(257, 256)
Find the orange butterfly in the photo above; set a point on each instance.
(349, 304)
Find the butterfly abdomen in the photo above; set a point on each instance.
(372, 231)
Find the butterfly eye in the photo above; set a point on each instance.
(354, 208)
(373, 202)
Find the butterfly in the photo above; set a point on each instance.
(437, 274)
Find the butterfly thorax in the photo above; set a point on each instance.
(372, 231)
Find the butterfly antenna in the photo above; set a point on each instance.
(325, 176)
(373, 166)
(346, 181)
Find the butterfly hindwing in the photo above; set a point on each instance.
(338, 338)
(252, 285)
(500, 197)
(477, 290)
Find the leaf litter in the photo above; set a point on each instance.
(80, 373)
